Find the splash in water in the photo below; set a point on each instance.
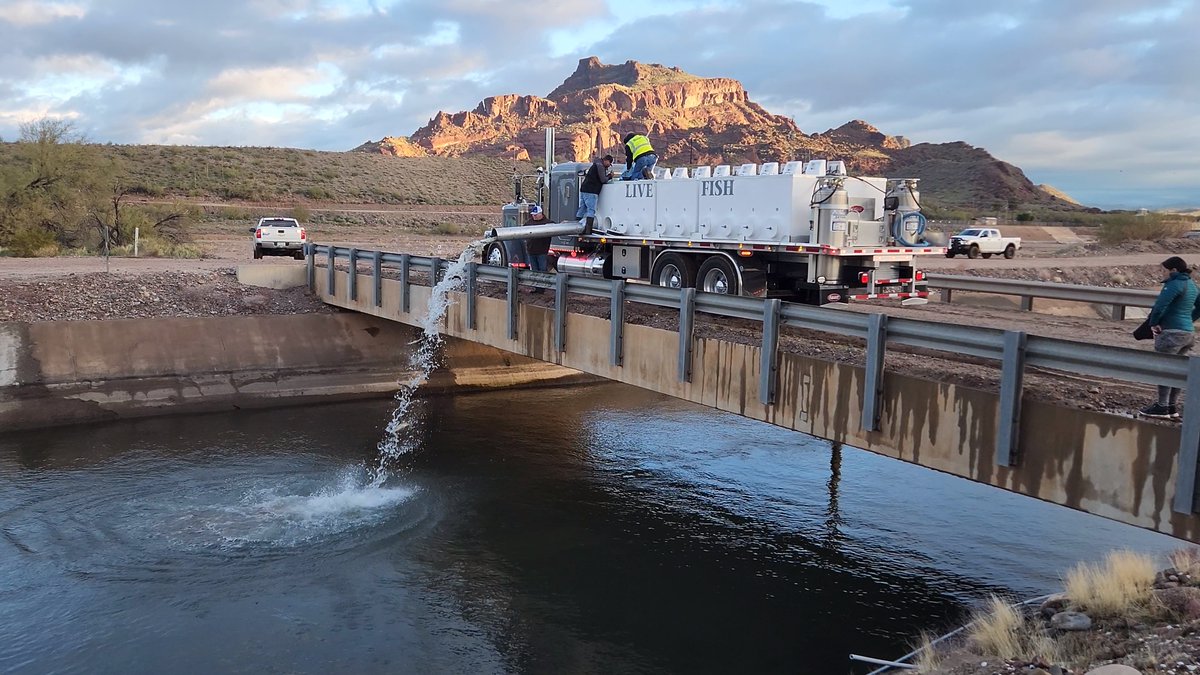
(398, 438)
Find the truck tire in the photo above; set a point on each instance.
(299, 255)
(986, 255)
(717, 275)
(949, 254)
(973, 252)
(674, 270)
(1010, 252)
(257, 253)
(495, 256)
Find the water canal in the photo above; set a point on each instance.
(597, 529)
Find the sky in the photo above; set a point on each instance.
(1100, 98)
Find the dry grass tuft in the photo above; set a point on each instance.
(1120, 586)
(928, 660)
(1186, 561)
(997, 629)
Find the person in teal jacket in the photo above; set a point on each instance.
(1172, 321)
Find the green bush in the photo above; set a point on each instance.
(300, 213)
(318, 193)
(1025, 218)
(32, 242)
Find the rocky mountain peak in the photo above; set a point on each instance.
(591, 73)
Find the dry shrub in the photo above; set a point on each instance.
(1149, 227)
(997, 629)
(1119, 586)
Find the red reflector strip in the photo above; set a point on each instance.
(886, 296)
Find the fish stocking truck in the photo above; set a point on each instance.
(804, 231)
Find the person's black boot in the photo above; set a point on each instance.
(1156, 410)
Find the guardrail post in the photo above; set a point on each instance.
(687, 322)
(377, 275)
(310, 264)
(1012, 387)
(1118, 312)
(946, 295)
(560, 312)
(768, 367)
(1027, 303)
(512, 303)
(352, 289)
(873, 391)
(405, 282)
(331, 270)
(1189, 443)
(472, 290)
(435, 268)
(616, 320)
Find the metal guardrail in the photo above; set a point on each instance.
(1013, 350)
(1118, 298)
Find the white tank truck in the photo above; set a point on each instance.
(804, 231)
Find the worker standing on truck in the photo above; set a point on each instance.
(1172, 321)
(589, 192)
(639, 157)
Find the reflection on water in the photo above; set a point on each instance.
(598, 529)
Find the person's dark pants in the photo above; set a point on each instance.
(538, 263)
(1172, 342)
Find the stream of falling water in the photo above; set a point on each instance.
(398, 438)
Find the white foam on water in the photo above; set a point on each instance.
(398, 440)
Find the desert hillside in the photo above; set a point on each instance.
(693, 121)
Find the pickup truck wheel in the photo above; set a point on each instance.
(673, 270)
(299, 255)
(717, 275)
(949, 254)
(1010, 252)
(973, 252)
(986, 256)
(257, 253)
(494, 255)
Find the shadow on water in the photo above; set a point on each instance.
(600, 529)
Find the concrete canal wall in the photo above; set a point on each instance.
(69, 372)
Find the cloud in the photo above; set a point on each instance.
(1067, 89)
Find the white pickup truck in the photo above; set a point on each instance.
(982, 241)
(279, 236)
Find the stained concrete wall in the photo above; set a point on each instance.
(1115, 467)
(63, 372)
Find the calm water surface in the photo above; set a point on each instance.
(590, 530)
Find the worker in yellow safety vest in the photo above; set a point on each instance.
(639, 157)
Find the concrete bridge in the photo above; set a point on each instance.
(1117, 467)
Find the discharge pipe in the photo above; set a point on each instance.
(533, 231)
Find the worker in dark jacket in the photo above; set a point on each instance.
(639, 157)
(589, 191)
(1172, 321)
(538, 248)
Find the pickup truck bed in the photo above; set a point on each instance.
(279, 236)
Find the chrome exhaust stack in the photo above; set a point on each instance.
(533, 231)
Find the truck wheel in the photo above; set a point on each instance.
(495, 256)
(986, 256)
(717, 275)
(973, 252)
(257, 253)
(949, 254)
(1010, 252)
(673, 270)
(298, 255)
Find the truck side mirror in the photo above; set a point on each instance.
(891, 203)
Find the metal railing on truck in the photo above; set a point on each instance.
(1117, 298)
(1014, 350)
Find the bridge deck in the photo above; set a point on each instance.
(1111, 466)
